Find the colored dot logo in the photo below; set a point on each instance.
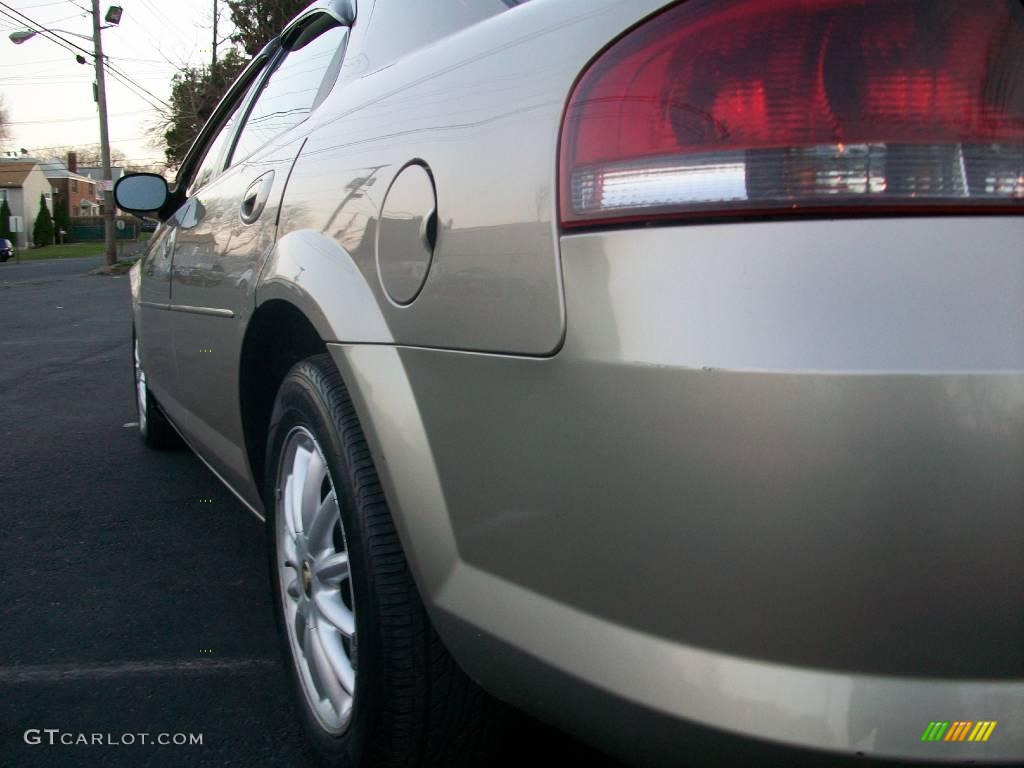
(959, 730)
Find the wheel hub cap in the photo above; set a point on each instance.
(315, 582)
(140, 388)
(307, 580)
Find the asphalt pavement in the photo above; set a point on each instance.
(133, 590)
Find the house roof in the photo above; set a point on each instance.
(95, 172)
(55, 169)
(13, 174)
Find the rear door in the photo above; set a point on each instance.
(154, 318)
(156, 305)
(229, 231)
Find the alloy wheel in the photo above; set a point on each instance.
(140, 388)
(315, 581)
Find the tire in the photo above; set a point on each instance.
(156, 432)
(408, 702)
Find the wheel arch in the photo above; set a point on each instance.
(277, 337)
(310, 280)
(310, 292)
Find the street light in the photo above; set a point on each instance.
(113, 18)
(22, 35)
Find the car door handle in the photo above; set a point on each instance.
(255, 198)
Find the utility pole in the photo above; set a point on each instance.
(216, 13)
(101, 100)
(114, 13)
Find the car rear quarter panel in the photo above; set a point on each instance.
(481, 107)
(769, 484)
(736, 474)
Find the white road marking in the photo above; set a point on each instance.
(130, 424)
(58, 673)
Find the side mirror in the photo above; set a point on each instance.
(141, 192)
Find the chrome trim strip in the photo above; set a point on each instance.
(212, 311)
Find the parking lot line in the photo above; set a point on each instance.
(57, 673)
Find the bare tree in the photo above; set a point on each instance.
(5, 132)
(88, 155)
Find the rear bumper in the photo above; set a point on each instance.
(769, 487)
(660, 702)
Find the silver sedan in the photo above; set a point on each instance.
(657, 368)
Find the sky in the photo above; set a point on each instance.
(48, 95)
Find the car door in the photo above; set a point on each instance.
(228, 231)
(153, 322)
(156, 308)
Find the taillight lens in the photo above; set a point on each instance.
(759, 106)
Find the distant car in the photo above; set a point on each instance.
(655, 367)
(148, 225)
(6, 250)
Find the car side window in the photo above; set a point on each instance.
(214, 160)
(292, 89)
(214, 153)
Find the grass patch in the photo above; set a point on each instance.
(74, 250)
(69, 251)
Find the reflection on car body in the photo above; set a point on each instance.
(653, 367)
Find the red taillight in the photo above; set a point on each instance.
(748, 106)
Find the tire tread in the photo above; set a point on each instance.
(431, 714)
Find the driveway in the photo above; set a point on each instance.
(134, 598)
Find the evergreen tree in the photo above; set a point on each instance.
(61, 218)
(42, 231)
(257, 21)
(5, 222)
(195, 91)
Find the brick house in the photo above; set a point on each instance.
(95, 173)
(68, 184)
(22, 181)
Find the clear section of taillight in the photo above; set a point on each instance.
(746, 106)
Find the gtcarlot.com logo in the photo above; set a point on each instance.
(55, 736)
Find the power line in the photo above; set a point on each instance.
(121, 138)
(162, 62)
(116, 72)
(73, 119)
(52, 21)
(47, 82)
(37, 27)
(44, 5)
(34, 26)
(166, 19)
(41, 80)
(139, 91)
(39, 63)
